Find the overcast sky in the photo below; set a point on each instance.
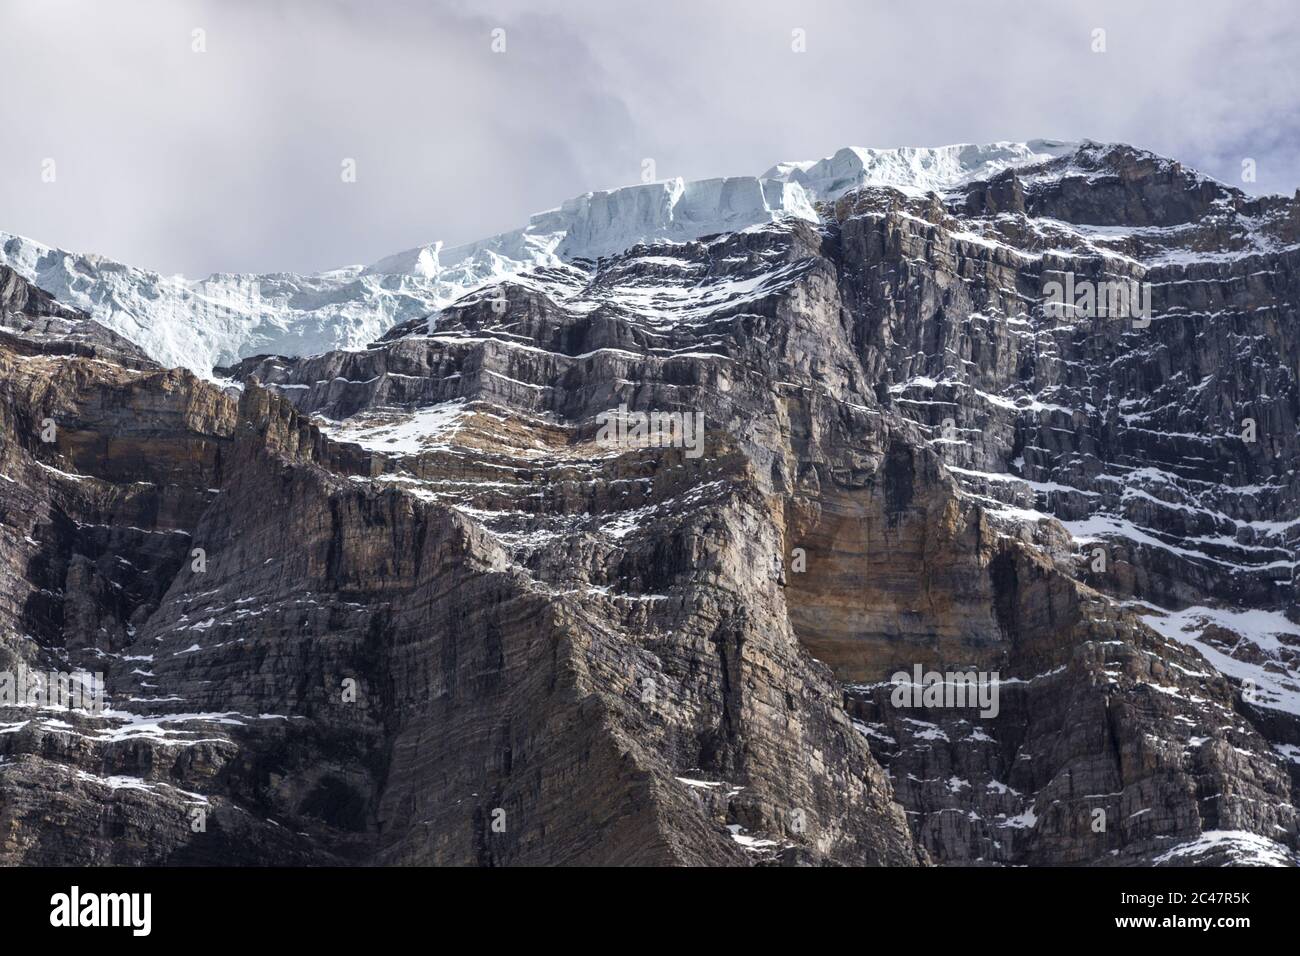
(231, 159)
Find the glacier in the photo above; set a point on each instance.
(207, 323)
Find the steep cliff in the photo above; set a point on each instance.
(411, 603)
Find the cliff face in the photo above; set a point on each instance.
(411, 604)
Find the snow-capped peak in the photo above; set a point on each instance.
(218, 320)
(914, 170)
(610, 221)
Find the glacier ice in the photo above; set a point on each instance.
(200, 324)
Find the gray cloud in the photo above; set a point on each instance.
(230, 160)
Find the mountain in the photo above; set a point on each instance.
(199, 324)
(418, 602)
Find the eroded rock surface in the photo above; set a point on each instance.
(407, 605)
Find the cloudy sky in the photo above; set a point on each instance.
(231, 159)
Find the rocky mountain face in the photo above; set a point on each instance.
(645, 556)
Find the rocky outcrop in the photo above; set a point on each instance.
(355, 673)
(413, 604)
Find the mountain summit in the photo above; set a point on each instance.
(201, 324)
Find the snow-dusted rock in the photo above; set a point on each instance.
(906, 461)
